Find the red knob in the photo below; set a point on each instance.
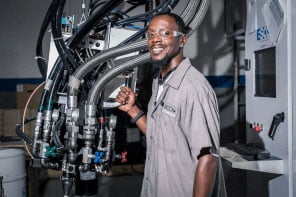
(124, 157)
(102, 120)
(257, 128)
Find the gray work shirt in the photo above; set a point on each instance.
(180, 123)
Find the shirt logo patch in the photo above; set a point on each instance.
(169, 110)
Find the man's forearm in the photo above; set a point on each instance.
(141, 122)
(205, 176)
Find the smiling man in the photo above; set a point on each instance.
(182, 123)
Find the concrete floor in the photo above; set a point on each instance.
(108, 186)
(129, 185)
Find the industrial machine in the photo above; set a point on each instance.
(270, 95)
(75, 126)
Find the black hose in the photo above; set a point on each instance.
(58, 30)
(64, 56)
(54, 74)
(91, 21)
(53, 90)
(21, 134)
(74, 41)
(95, 6)
(57, 36)
(42, 64)
(25, 137)
(149, 13)
(135, 36)
(165, 6)
(63, 52)
(56, 67)
(55, 130)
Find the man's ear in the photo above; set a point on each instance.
(183, 40)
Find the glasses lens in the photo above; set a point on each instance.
(163, 33)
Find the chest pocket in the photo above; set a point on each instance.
(167, 127)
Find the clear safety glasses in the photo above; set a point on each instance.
(163, 33)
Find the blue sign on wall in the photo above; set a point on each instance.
(262, 33)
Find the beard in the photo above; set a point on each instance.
(163, 63)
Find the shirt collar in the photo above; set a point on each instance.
(161, 79)
(178, 76)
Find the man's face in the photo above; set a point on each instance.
(163, 44)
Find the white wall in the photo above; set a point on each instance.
(20, 23)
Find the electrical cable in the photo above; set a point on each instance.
(54, 89)
(91, 21)
(64, 54)
(134, 6)
(20, 132)
(165, 6)
(42, 64)
(159, 8)
(66, 51)
(56, 27)
(58, 66)
(94, 6)
(24, 121)
(51, 11)
(62, 51)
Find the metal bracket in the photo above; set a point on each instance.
(247, 65)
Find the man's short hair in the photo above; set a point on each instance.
(179, 21)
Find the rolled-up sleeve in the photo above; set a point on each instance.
(201, 120)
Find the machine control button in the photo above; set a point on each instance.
(124, 157)
(256, 127)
